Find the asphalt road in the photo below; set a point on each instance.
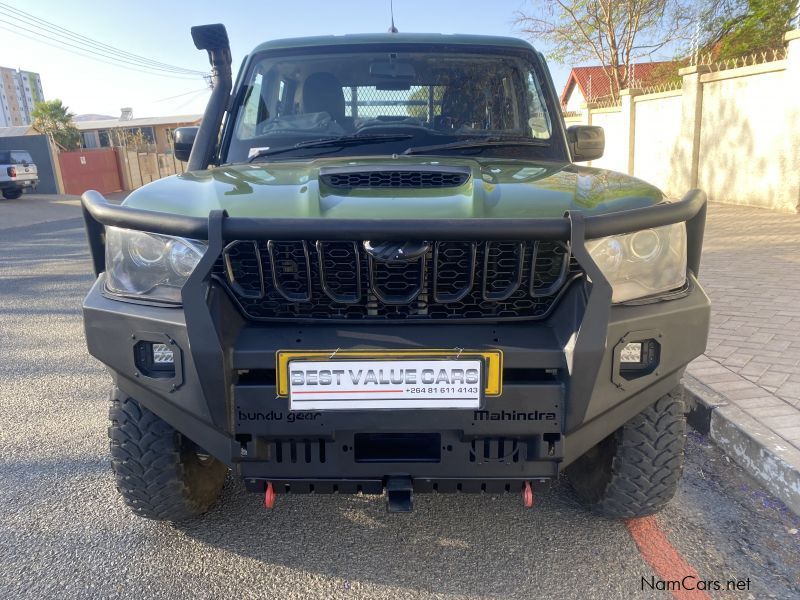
(64, 532)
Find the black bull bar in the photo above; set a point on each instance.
(574, 227)
(98, 212)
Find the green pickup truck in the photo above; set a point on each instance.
(384, 272)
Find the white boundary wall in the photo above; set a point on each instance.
(616, 150)
(733, 133)
(656, 131)
(750, 139)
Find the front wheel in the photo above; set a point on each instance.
(635, 471)
(160, 473)
(12, 194)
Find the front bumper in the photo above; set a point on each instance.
(563, 391)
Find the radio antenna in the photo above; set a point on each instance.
(392, 29)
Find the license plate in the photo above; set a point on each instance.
(392, 384)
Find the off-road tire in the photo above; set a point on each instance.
(635, 471)
(159, 472)
(12, 194)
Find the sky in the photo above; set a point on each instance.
(159, 30)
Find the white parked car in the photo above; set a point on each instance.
(18, 173)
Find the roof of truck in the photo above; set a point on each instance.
(393, 38)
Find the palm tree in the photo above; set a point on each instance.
(53, 119)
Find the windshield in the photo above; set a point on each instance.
(411, 99)
(15, 157)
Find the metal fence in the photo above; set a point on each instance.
(668, 86)
(606, 102)
(756, 58)
(368, 102)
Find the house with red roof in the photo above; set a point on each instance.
(590, 84)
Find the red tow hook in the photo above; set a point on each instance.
(269, 496)
(527, 495)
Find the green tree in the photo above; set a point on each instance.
(734, 28)
(615, 33)
(52, 118)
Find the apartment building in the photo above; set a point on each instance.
(19, 92)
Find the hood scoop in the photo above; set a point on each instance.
(382, 177)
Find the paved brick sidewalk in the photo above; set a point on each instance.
(751, 270)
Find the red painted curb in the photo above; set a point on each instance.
(664, 559)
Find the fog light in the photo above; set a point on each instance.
(158, 360)
(631, 353)
(163, 355)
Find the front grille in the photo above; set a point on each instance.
(496, 450)
(295, 451)
(338, 280)
(395, 178)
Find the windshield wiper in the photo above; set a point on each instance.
(477, 143)
(344, 140)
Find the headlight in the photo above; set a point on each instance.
(644, 263)
(149, 265)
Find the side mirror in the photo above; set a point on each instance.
(183, 140)
(586, 142)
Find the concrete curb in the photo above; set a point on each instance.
(764, 455)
